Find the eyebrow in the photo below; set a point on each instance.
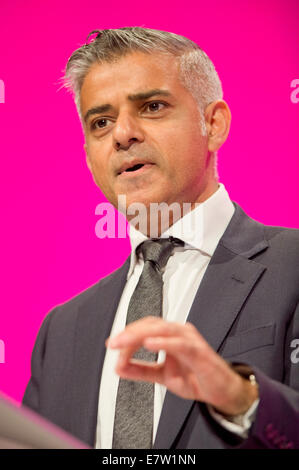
(136, 97)
(148, 94)
(97, 110)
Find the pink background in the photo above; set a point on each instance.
(49, 251)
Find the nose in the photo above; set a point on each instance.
(126, 132)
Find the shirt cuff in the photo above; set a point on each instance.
(239, 424)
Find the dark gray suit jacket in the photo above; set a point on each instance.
(246, 307)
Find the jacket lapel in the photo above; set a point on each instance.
(94, 324)
(229, 278)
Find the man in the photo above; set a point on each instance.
(219, 355)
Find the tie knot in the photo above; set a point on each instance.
(158, 250)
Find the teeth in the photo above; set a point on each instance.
(135, 167)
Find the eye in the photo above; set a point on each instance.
(100, 123)
(155, 106)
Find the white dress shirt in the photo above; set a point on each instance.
(201, 230)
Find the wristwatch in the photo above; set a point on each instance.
(245, 371)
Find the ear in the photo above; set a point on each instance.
(87, 156)
(218, 119)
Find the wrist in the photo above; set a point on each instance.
(245, 392)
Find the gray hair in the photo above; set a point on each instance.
(197, 72)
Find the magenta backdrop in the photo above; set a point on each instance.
(49, 250)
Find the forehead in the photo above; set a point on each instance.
(134, 73)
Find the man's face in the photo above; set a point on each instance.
(147, 118)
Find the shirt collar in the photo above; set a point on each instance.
(200, 229)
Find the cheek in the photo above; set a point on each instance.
(181, 138)
(99, 169)
(98, 160)
(185, 156)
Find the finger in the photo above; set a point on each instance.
(180, 353)
(195, 355)
(125, 355)
(156, 373)
(135, 333)
(178, 347)
(140, 370)
(175, 345)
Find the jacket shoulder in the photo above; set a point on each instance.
(283, 238)
(66, 311)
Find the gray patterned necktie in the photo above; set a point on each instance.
(133, 422)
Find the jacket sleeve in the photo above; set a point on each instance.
(31, 396)
(276, 425)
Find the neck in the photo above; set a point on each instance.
(159, 217)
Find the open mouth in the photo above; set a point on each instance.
(138, 167)
(135, 167)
